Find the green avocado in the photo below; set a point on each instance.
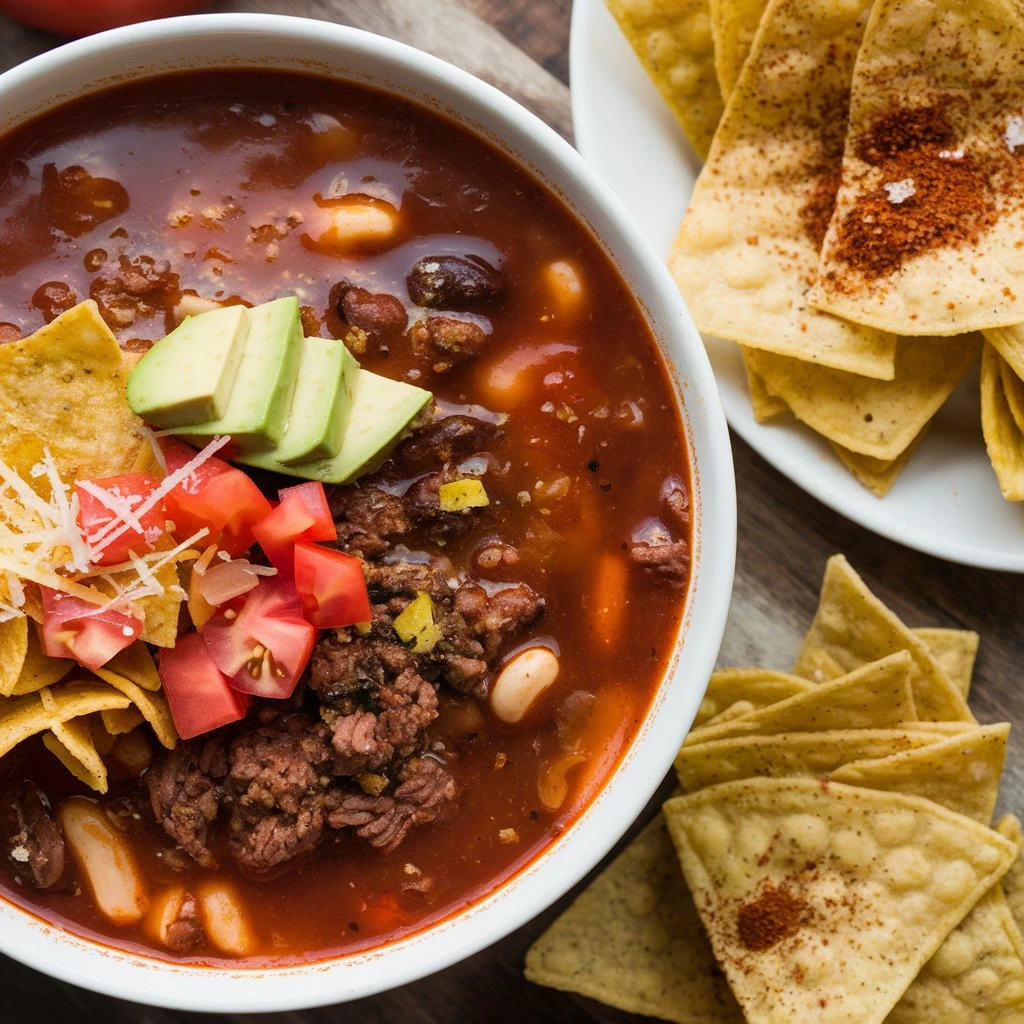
(381, 409)
(187, 376)
(261, 395)
(321, 403)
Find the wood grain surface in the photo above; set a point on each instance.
(784, 539)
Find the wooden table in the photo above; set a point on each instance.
(784, 539)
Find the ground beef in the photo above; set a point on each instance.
(142, 287)
(367, 518)
(425, 790)
(365, 740)
(185, 792)
(447, 439)
(277, 777)
(493, 619)
(32, 840)
(669, 561)
(447, 341)
(185, 932)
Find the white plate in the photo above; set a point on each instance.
(946, 502)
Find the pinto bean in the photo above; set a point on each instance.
(453, 282)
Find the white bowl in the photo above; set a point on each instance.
(330, 50)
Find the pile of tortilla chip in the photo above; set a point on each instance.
(65, 417)
(831, 858)
(857, 227)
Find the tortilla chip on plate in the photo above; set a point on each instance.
(824, 901)
(877, 475)
(673, 40)
(881, 419)
(960, 772)
(1009, 343)
(1013, 881)
(955, 651)
(757, 686)
(852, 627)
(1003, 438)
(1013, 392)
(14, 641)
(39, 669)
(925, 238)
(64, 387)
(976, 975)
(873, 696)
(748, 244)
(633, 940)
(766, 406)
(813, 754)
(734, 24)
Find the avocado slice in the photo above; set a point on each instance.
(381, 409)
(186, 377)
(321, 403)
(261, 395)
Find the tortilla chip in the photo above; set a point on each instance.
(121, 721)
(672, 38)
(67, 375)
(823, 895)
(21, 717)
(766, 406)
(1013, 392)
(961, 772)
(1003, 438)
(872, 696)
(814, 754)
(633, 940)
(152, 705)
(39, 669)
(748, 244)
(852, 627)
(877, 475)
(738, 709)
(945, 257)
(877, 418)
(160, 611)
(136, 664)
(976, 976)
(1009, 343)
(1013, 881)
(734, 24)
(14, 639)
(955, 651)
(758, 686)
(72, 743)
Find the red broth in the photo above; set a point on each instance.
(208, 184)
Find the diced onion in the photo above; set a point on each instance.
(225, 581)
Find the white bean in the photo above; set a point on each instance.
(106, 861)
(522, 681)
(355, 224)
(224, 921)
(193, 305)
(565, 283)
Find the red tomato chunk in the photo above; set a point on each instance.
(73, 628)
(197, 691)
(331, 586)
(109, 520)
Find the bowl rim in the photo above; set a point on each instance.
(526, 139)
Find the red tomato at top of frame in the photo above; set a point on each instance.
(83, 17)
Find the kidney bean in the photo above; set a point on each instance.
(453, 282)
(376, 312)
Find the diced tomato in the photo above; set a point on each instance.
(260, 641)
(331, 586)
(73, 628)
(197, 691)
(303, 514)
(217, 496)
(106, 530)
